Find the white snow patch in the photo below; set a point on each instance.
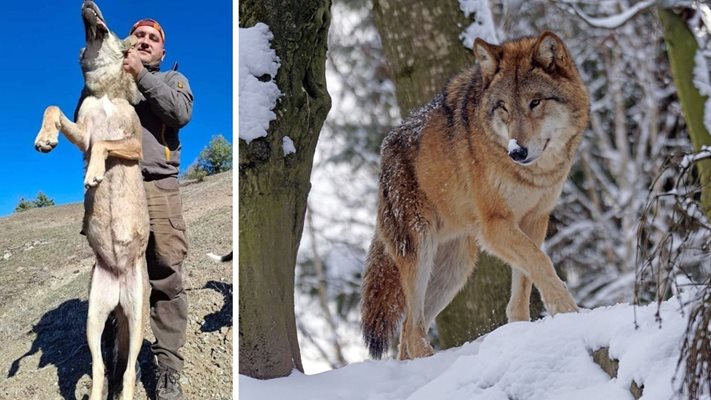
(702, 82)
(288, 146)
(483, 25)
(256, 98)
(545, 359)
(689, 159)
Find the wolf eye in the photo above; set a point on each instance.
(534, 103)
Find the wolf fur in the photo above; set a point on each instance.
(116, 224)
(480, 167)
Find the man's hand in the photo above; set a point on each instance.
(132, 63)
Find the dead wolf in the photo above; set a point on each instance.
(115, 222)
(480, 167)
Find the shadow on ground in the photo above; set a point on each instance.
(61, 340)
(223, 317)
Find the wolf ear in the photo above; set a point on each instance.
(488, 56)
(550, 53)
(129, 42)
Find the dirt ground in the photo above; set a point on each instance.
(44, 277)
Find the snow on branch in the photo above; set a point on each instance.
(689, 159)
(614, 21)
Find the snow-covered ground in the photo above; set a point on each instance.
(541, 360)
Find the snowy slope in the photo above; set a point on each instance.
(546, 359)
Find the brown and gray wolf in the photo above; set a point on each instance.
(116, 221)
(480, 167)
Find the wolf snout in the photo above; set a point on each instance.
(518, 154)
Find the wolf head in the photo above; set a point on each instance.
(102, 58)
(534, 102)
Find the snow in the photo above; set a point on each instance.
(702, 83)
(483, 25)
(288, 146)
(256, 98)
(689, 159)
(545, 359)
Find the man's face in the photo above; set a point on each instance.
(150, 45)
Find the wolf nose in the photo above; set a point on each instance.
(519, 154)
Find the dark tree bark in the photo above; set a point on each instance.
(273, 187)
(422, 45)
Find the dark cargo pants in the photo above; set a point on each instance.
(167, 248)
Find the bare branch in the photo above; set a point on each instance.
(614, 21)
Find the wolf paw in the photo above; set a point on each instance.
(45, 145)
(417, 348)
(92, 180)
(562, 304)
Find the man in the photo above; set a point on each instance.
(167, 107)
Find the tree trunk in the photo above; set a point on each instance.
(422, 45)
(273, 187)
(681, 49)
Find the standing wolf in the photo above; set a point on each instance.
(448, 189)
(108, 132)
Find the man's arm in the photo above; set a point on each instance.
(171, 100)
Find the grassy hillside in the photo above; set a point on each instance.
(44, 277)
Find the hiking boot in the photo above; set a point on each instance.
(168, 385)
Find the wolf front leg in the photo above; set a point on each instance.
(519, 305)
(126, 149)
(53, 122)
(506, 240)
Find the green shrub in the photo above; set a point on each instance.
(195, 172)
(216, 157)
(41, 201)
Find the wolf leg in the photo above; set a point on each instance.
(53, 122)
(519, 307)
(454, 263)
(506, 240)
(103, 297)
(132, 304)
(414, 275)
(127, 149)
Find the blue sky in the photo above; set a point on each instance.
(40, 67)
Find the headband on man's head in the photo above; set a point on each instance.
(149, 22)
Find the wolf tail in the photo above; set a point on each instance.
(382, 300)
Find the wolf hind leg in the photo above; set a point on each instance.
(103, 298)
(414, 276)
(131, 300)
(454, 263)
